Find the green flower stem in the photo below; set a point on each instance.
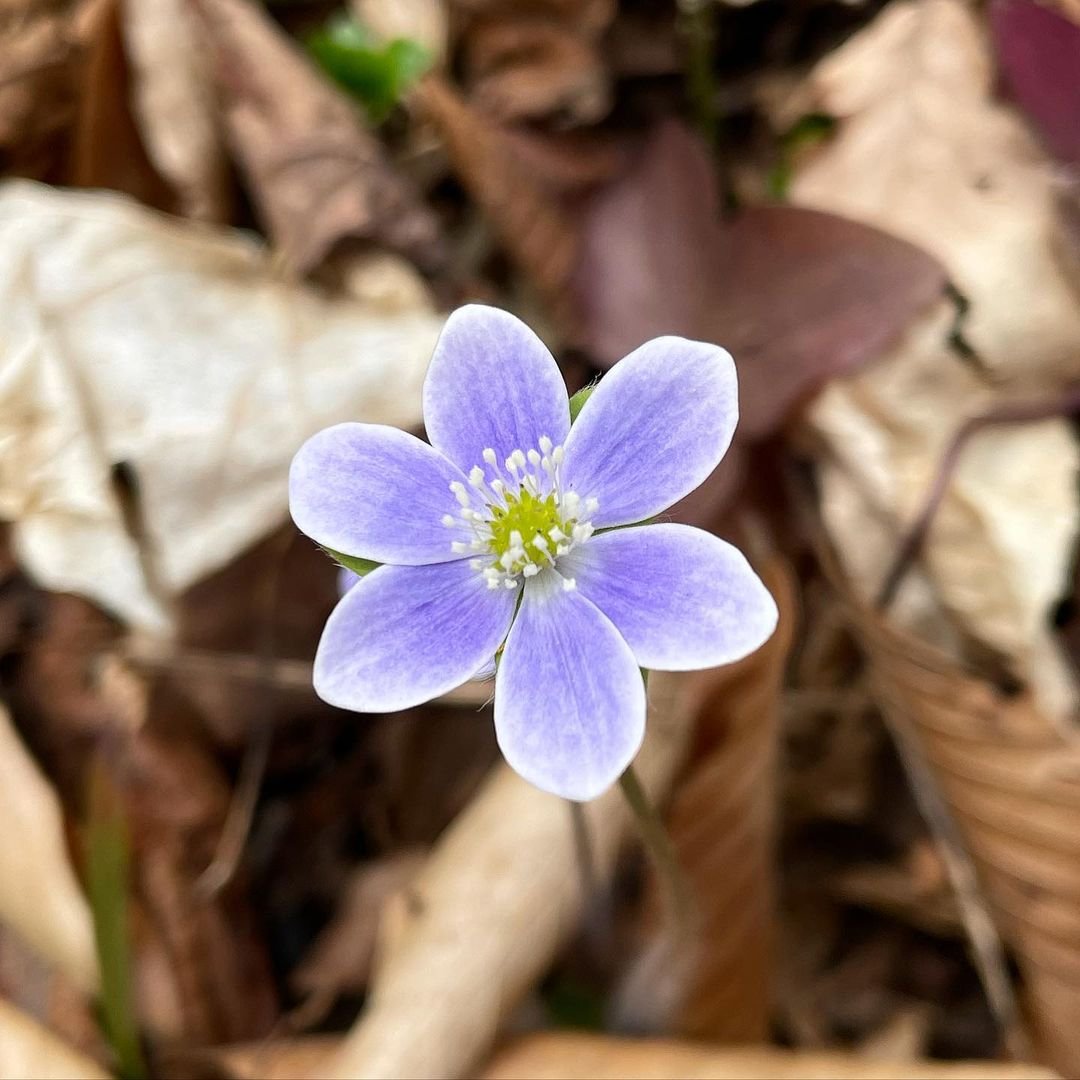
(658, 845)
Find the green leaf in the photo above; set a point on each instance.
(577, 402)
(373, 72)
(108, 863)
(352, 562)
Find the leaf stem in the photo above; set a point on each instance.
(661, 851)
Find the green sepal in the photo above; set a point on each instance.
(577, 402)
(352, 562)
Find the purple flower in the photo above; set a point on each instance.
(508, 533)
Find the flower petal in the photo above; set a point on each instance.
(492, 383)
(374, 492)
(681, 597)
(569, 698)
(405, 634)
(653, 430)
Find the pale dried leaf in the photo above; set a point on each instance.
(30, 1052)
(923, 150)
(999, 552)
(340, 960)
(174, 106)
(422, 21)
(317, 175)
(270, 1059)
(499, 895)
(563, 1056)
(39, 896)
(177, 351)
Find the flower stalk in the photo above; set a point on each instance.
(661, 851)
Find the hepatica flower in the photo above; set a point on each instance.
(517, 536)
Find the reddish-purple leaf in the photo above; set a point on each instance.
(1039, 53)
(797, 296)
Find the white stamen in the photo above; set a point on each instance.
(531, 474)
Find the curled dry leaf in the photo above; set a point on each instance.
(39, 896)
(498, 896)
(717, 986)
(1009, 775)
(316, 174)
(29, 1050)
(923, 150)
(563, 1056)
(173, 103)
(136, 341)
(528, 64)
(532, 222)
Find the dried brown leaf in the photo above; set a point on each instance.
(498, 896)
(171, 95)
(535, 226)
(41, 45)
(1009, 775)
(563, 1056)
(216, 969)
(721, 824)
(316, 174)
(107, 150)
(532, 65)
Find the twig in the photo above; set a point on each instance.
(241, 811)
(152, 654)
(1010, 413)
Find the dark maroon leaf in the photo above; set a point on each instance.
(796, 295)
(1039, 53)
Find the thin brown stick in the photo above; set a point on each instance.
(1021, 412)
(152, 654)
